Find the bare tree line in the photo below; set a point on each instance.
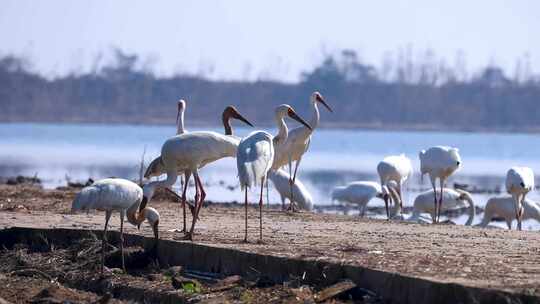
(403, 92)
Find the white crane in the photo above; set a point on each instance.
(117, 194)
(361, 192)
(298, 141)
(189, 152)
(256, 154)
(519, 181)
(439, 162)
(157, 167)
(504, 207)
(397, 168)
(301, 195)
(453, 199)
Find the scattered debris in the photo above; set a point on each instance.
(334, 290)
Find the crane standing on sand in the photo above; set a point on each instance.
(439, 162)
(397, 168)
(157, 167)
(256, 154)
(297, 143)
(361, 192)
(453, 199)
(519, 181)
(189, 152)
(116, 194)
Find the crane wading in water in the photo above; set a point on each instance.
(256, 154)
(116, 194)
(297, 142)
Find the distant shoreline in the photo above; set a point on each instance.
(323, 125)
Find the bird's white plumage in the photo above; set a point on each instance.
(298, 138)
(519, 180)
(113, 194)
(453, 199)
(361, 192)
(254, 158)
(301, 195)
(504, 207)
(396, 167)
(439, 161)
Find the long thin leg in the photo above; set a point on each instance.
(519, 210)
(290, 182)
(122, 240)
(197, 205)
(400, 197)
(187, 175)
(260, 210)
(294, 181)
(434, 219)
(267, 195)
(245, 214)
(441, 180)
(104, 239)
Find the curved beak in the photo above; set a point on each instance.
(321, 100)
(242, 118)
(294, 116)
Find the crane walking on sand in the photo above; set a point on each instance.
(397, 168)
(256, 154)
(116, 194)
(439, 162)
(297, 143)
(519, 181)
(453, 199)
(157, 167)
(504, 207)
(361, 192)
(189, 152)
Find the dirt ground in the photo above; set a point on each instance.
(492, 258)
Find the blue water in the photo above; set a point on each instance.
(77, 151)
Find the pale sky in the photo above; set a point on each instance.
(271, 39)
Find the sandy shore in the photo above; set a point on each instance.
(490, 258)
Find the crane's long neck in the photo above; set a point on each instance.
(134, 216)
(283, 131)
(472, 210)
(315, 116)
(180, 123)
(227, 124)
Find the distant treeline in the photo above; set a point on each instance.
(401, 93)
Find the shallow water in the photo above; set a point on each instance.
(77, 151)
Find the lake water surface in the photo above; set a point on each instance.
(77, 151)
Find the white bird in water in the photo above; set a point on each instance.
(256, 154)
(397, 168)
(301, 195)
(519, 181)
(504, 207)
(439, 162)
(298, 141)
(361, 192)
(453, 199)
(157, 167)
(189, 152)
(117, 194)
